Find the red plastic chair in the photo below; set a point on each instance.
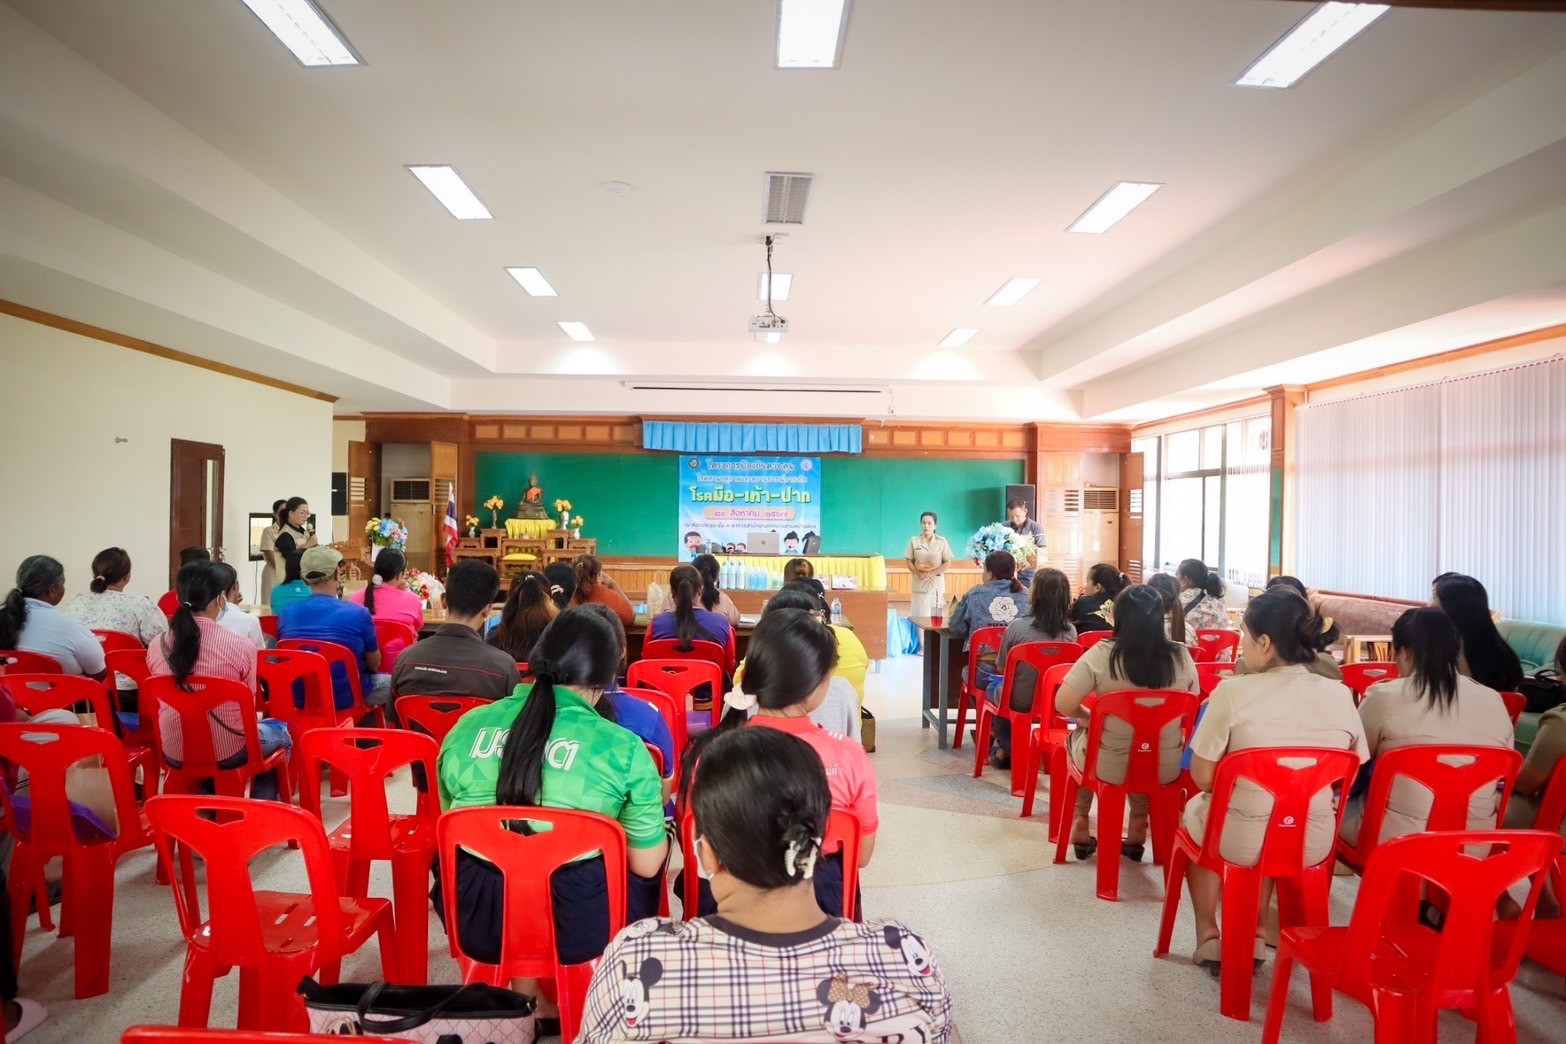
(1148, 712)
(169, 1035)
(1223, 643)
(273, 938)
(1046, 740)
(117, 641)
(47, 753)
(288, 676)
(434, 716)
(679, 679)
(1088, 639)
(16, 661)
(673, 714)
(1208, 675)
(393, 636)
(527, 946)
(200, 761)
(1200, 654)
(1547, 939)
(368, 757)
(269, 625)
(1516, 704)
(669, 649)
(985, 639)
(843, 836)
(356, 712)
(132, 663)
(1041, 656)
(1292, 775)
(36, 693)
(1361, 676)
(1452, 774)
(1405, 972)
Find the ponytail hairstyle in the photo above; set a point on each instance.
(588, 571)
(1143, 654)
(109, 567)
(389, 565)
(708, 567)
(1000, 565)
(1174, 612)
(198, 584)
(577, 649)
(528, 610)
(798, 569)
(35, 578)
(277, 512)
(1433, 644)
(1490, 660)
(1111, 580)
(1292, 583)
(791, 653)
(762, 804)
(1049, 600)
(560, 582)
(686, 584)
(1201, 578)
(1289, 621)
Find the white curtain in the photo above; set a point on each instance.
(1467, 475)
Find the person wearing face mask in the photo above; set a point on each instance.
(928, 557)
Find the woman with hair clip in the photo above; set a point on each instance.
(787, 674)
(1140, 655)
(1201, 596)
(593, 585)
(1168, 588)
(387, 596)
(1049, 602)
(1486, 658)
(29, 621)
(994, 603)
(1095, 610)
(108, 608)
(528, 610)
(496, 755)
(1281, 704)
(1429, 703)
(688, 621)
(761, 804)
(1325, 663)
(198, 645)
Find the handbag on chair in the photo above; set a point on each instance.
(472, 1014)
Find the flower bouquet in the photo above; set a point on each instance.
(387, 532)
(564, 507)
(997, 536)
(426, 587)
(472, 524)
(494, 504)
(576, 527)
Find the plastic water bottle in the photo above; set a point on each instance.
(837, 611)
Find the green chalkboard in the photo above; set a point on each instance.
(871, 504)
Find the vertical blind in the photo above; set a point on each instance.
(1467, 475)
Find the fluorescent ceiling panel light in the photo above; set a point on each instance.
(533, 281)
(810, 33)
(576, 331)
(1310, 43)
(771, 337)
(957, 338)
(304, 30)
(447, 186)
(782, 283)
(1113, 205)
(1015, 290)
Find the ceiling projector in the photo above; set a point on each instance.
(768, 323)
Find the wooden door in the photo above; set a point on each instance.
(364, 484)
(195, 499)
(1131, 507)
(443, 477)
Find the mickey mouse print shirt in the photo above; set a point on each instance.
(709, 981)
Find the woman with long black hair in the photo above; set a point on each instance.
(528, 610)
(496, 755)
(1486, 658)
(1049, 602)
(689, 621)
(1201, 596)
(29, 621)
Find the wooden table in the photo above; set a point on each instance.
(943, 664)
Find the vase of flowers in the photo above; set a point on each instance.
(576, 527)
(472, 524)
(426, 587)
(385, 532)
(494, 504)
(564, 507)
(1000, 537)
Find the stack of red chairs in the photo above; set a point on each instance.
(1040, 656)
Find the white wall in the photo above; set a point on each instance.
(64, 399)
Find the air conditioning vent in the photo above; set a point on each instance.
(1101, 499)
(1134, 503)
(1068, 501)
(787, 195)
(405, 490)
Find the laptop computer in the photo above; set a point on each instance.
(761, 543)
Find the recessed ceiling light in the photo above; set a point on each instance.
(533, 281)
(1015, 290)
(782, 283)
(957, 338)
(304, 30)
(771, 337)
(1113, 205)
(810, 33)
(448, 187)
(1310, 43)
(576, 331)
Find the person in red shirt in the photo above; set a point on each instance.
(169, 603)
(788, 670)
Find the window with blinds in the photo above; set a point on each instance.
(1466, 474)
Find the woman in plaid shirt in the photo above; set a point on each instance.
(769, 965)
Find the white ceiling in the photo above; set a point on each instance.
(169, 169)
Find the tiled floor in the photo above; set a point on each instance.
(1028, 951)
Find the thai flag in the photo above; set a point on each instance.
(451, 524)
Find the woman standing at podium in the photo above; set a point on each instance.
(928, 557)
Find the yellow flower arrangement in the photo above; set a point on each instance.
(562, 505)
(494, 503)
(577, 523)
(471, 521)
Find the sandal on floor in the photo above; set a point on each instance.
(1208, 956)
(33, 1016)
(1084, 849)
(1133, 852)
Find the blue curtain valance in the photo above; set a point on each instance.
(682, 437)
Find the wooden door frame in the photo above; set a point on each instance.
(209, 451)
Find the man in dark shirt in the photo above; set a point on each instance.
(1017, 518)
(455, 661)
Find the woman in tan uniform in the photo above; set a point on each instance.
(1139, 656)
(1281, 705)
(928, 557)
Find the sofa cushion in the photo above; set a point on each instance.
(1534, 643)
(1356, 616)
